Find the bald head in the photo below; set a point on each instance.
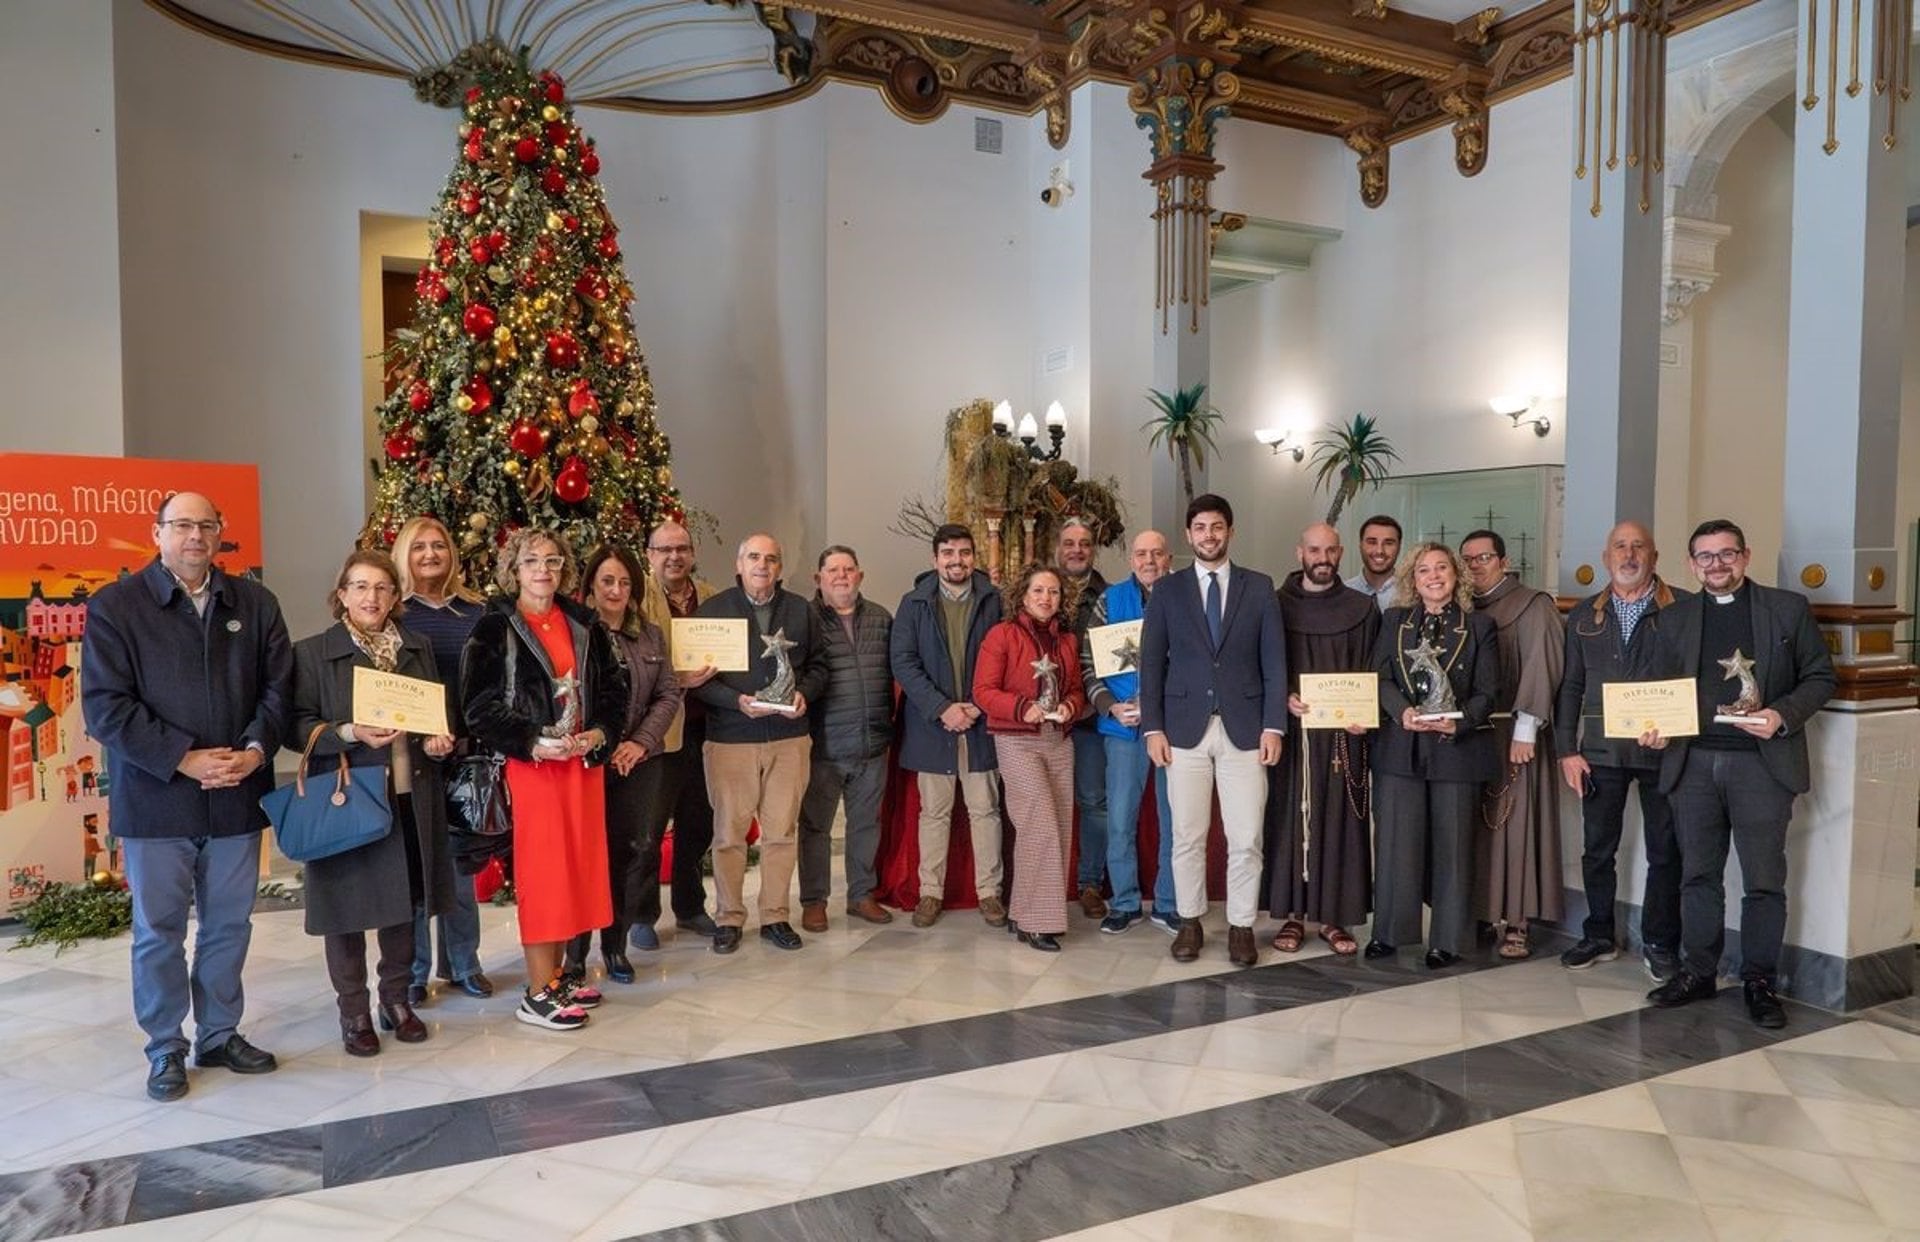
(1630, 558)
(1149, 557)
(1319, 552)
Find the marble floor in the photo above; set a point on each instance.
(950, 1083)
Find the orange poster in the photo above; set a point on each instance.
(69, 525)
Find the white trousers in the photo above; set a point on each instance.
(1192, 779)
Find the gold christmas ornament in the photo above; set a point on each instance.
(462, 402)
(549, 113)
(477, 521)
(589, 424)
(511, 468)
(554, 222)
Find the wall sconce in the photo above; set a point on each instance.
(1516, 409)
(1029, 429)
(1278, 441)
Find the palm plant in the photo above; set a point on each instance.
(1349, 458)
(1185, 423)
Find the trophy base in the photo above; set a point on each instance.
(1738, 720)
(1439, 715)
(785, 708)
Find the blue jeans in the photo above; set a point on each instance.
(1090, 795)
(1128, 770)
(215, 878)
(459, 956)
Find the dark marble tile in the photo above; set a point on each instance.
(1285, 986)
(711, 1088)
(570, 1113)
(1178, 1006)
(66, 1199)
(226, 1172)
(1394, 1106)
(950, 1047)
(360, 1149)
(1502, 1080)
(1090, 1023)
(1880, 977)
(838, 1065)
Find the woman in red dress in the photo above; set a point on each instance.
(541, 687)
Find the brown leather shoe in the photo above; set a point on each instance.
(1187, 941)
(357, 1037)
(1241, 950)
(870, 910)
(404, 1023)
(1092, 904)
(813, 916)
(927, 913)
(993, 912)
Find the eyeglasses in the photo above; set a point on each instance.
(552, 564)
(187, 526)
(357, 587)
(1480, 558)
(1725, 556)
(672, 549)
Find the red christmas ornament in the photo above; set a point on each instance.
(480, 393)
(526, 439)
(608, 247)
(581, 401)
(543, 251)
(570, 222)
(563, 351)
(589, 163)
(496, 241)
(419, 396)
(401, 446)
(572, 483)
(553, 181)
(479, 252)
(474, 95)
(527, 150)
(615, 356)
(443, 251)
(556, 90)
(479, 319)
(557, 133)
(591, 285)
(476, 150)
(468, 199)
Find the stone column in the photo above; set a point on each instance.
(1853, 844)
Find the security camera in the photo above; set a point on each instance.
(1058, 189)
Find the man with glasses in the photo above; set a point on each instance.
(1518, 857)
(187, 680)
(1735, 783)
(672, 591)
(759, 756)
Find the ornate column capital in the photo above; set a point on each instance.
(1369, 142)
(1689, 271)
(1044, 70)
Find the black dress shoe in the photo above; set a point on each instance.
(781, 936)
(1440, 959)
(1046, 942)
(357, 1037)
(1682, 989)
(619, 969)
(404, 1023)
(167, 1080)
(726, 939)
(237, 1055)
(1377, 949)
(475, 985)
(1763, 1005)
(701, 924)
(417, 993)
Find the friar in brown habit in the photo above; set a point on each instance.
(1319, 865)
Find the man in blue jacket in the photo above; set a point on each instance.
(937, 632)
(187, 674)
(1213, 707)
(1116, 707)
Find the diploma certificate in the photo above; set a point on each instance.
(1633, 707)
(390, 701)
(719, 641)
(1336, 700)
(1115, 648)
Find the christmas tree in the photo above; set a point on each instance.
(521, 398)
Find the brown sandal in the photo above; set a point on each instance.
(1513, 945)
(1290, 936)
(1338, 940)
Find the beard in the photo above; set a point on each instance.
(1321, 574)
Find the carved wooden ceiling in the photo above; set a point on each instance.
(1372, 72)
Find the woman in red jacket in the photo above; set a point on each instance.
(1026, 680)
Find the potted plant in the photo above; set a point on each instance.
(1349, 458)
(1185, 423)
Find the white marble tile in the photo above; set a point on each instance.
(1630, 1162)
(1394, 1199)
(1623, 1108)
(1797, 1183)
(1583, 1213)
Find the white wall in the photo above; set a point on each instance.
(59, 290)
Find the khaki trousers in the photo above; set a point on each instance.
(982, 793)
(749, 781)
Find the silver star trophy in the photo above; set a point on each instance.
(1046, 675)
(780, 691)
(1746, 704)
(566, 704)
(1430, 682)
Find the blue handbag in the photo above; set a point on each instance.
(334, 816)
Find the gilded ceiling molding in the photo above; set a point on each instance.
(1620, 92)
(1045, 73)
(1369, 142)
(1464, 98)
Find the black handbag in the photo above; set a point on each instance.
(477, 798)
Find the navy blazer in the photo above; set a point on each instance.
(1790, 661)
(159, 680)
(1185, 680)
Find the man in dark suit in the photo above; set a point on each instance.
(1213, 711)
(188, 681)
(1759, 663)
